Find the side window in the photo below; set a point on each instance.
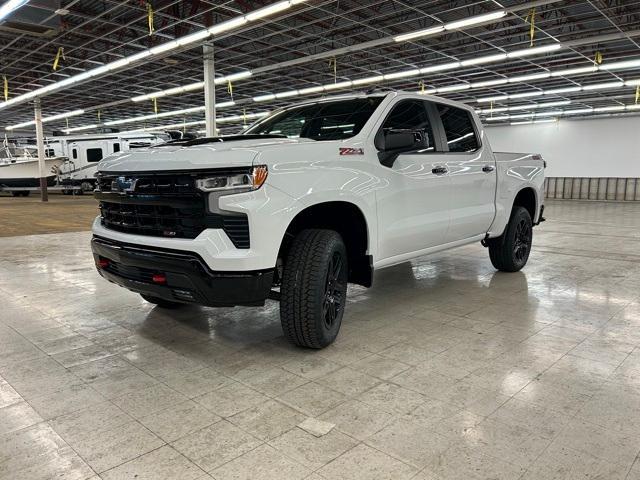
(116, 147)
(74, 153)
(94, 154)
(458, 127)
(410, 115)
(49, 152)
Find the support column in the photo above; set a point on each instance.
(209, 90)
(42, 166)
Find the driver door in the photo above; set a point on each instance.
(414, 206)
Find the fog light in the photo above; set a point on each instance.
(160, 278)
(103, 263)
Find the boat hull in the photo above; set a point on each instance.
(25, 173)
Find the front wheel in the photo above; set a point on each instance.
(510, 252)
(314, 288)
(161, 302)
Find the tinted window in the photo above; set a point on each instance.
(320, 121)
(94, 154)
(410, 115)
(458, 127)
(116, 147)
(49, 152)
(74, 153)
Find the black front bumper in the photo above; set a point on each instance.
(188, 278)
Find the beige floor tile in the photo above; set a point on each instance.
(311, 451)
(193, 384)
(380, 367)
(16, 416)
(265, 463)
(179, 420)
(311, 367)
(392, 398)
(215, 445)
(348, 381)
(66, 400)
(106, 449)
(364, 463)
(357, 419)
(8, 396)
(312, 399)
(163, 463)
(231, 399)
(268, 379)
(149, 400)
(410, 442)
(268, 420)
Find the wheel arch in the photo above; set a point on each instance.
(527, 198)
(349, 221)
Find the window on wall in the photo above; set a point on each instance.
(116, 147)
(94, 154)
(458, 127)
(410, 115)
(49, 152)
(74, 153)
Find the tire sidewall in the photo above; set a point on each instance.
(327, 335)
(518, 215)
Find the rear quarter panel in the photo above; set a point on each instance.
(515, 172)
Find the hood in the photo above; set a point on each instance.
(234, 152)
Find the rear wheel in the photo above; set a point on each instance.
(314, 288)
(510, 252)
(161, 302)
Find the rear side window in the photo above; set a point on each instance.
(458, 127)
(94, 154)
(410, 115)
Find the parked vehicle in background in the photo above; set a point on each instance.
(307, 199)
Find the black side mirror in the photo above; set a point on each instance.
(392, 143)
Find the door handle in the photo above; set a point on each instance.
(488, 168)
(439, 170)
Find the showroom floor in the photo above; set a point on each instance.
(445, 370)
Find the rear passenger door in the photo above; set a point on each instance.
(472, 171)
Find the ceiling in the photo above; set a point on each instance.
(94, 33)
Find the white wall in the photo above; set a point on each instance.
(608, 147)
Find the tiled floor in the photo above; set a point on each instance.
(444, 370)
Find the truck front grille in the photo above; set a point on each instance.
(163, 205)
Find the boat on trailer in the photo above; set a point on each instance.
(19, 168)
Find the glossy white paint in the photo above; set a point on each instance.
(409, 210)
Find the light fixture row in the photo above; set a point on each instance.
(558, 113)
(181, 42)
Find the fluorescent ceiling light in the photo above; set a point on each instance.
(335, 86)
(475, 20)
(10, 6)
(157, 50)
(578, 110)
(419, 34)
(483, 60)
(525, 78)
(525, 94)
(453, 88)
(402, 74)
(575, 71)
(305, 91)
(526, 52)
(615, 108)
(626, 64)
(601, 86)
(495, 98)
(363, 81)
(489, 83)
(439, 68)
(290, 93)
(632, 83)
(47, 119)
(554, 91)
(264, 98)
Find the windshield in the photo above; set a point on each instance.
(320, 121)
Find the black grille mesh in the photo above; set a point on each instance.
(163, 205)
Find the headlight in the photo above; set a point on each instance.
(234, 183)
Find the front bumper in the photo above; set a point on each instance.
(187, 277)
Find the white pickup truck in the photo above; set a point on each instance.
(307, 199)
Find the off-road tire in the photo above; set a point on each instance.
(510, 252)
(161, 302)
(309, 297)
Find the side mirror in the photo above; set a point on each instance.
(392, 143)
